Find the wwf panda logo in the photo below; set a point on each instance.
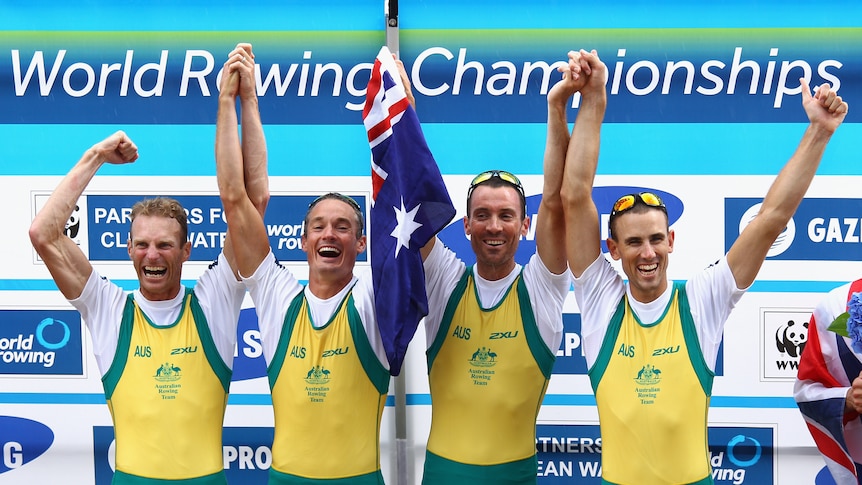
(73, 224)
(790, 338)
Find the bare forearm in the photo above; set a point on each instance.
(791, 184)
(254, 155)
(228, 153)
(583, 235)
(51, 220)
(556, 144)
(785, 194)
(583, 150)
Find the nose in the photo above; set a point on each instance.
(152, 252)
(328, 232)
(648, 251)
(494, 223)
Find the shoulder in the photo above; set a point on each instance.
(535, 271)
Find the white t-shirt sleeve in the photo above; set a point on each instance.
(598, 292)
(220, 296)
(272, 288)
(443, 270)
(547, 293)
(363, 299)
(712, 295)
(101, 305)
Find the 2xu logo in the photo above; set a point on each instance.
(22, 441)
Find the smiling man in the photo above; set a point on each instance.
(328, 370)
(155, 395)
(493, 329)
(650, 343)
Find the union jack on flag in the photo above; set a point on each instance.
(410, 204)
(826, 369)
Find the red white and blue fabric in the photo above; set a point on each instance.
(410, 205)
(826, 369)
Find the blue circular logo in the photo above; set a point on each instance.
(49, 322)
(740, 440)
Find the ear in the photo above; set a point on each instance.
(466, 225)
(613, 249)
(525, 226)
(670, 237)
(361, 244)
(304, 242)
(187, 251)
(129, 247)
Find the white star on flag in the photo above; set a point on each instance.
(405, 227)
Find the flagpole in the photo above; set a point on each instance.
(402, 478)
(391, 7)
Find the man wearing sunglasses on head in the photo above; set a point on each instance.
(493, 329)
(650, 343)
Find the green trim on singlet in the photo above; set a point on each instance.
(695, 354)
(704, 481)
(692, 342)
(121, 478)
(374, 369)
(541, 353)
(446, 321)
(597, 370)
(121, 354)
(284, 338)
(279, 478)
(518, 472)
(218, 366)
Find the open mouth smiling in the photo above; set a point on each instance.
(329, 252)
(648, 268)
(155, 271)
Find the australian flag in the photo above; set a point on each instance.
(410, 205)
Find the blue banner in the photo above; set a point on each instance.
(41, 342)
(738, 455)
(22, 441)
(106, 229)
(720, 75)
(821, 229)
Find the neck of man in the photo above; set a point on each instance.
(325, 287)
(494, 272)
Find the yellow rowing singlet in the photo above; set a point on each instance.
(328, 394)
(488, 372)
(652, 390)
(167, 390)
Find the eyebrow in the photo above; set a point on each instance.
(335, 220)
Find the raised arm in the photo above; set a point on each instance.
(241, 167)
(825, 112)
(583, 235)
(253, 140)
(550, 223)
(68, 265)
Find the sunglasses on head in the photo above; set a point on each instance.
(503, 175)
(335, 195)
(626, 202)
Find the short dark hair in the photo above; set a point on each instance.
(340, 197)
(496, 182)
(638, 208)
